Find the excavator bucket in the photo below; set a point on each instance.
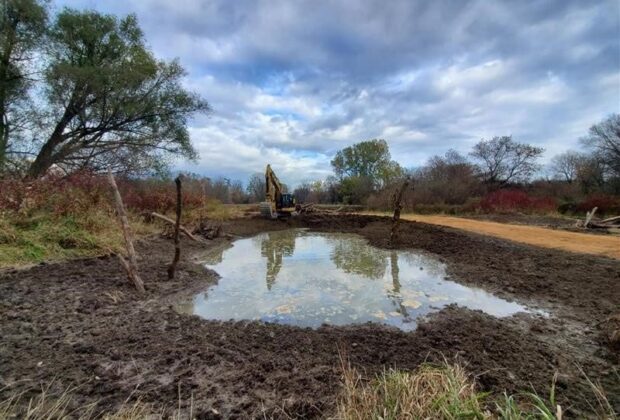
(267, 211)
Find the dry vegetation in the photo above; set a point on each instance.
(60, 217)
(444, 391)
(447, 392)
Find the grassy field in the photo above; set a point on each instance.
(42, 236)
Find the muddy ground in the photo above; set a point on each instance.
(79, 323)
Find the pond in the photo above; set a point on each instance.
(305, 278)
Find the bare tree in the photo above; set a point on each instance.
(566, 165)
(503, 160)
(256, 188)
(449, 179)
(604, 140)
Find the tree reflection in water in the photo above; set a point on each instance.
(307, 278)
(274, 247)
(355, 256)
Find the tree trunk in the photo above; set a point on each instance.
(45, 158)
(398, 197)
(177, 228)
(130, 266)
(4, 136)
(5, 61)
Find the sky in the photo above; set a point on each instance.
(291, 82)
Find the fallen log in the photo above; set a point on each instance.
(172, 222)
(613, 220)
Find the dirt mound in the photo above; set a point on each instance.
(80, 323)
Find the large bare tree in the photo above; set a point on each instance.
(566, 165)
(503, 160)
(604, 140)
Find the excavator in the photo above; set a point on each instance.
(278, 203)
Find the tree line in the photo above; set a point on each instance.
(365, 173)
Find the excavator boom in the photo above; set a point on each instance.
(277, 201)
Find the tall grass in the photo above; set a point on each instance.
(446, 392)
(46, 405)
(73, 216)
(437, 392)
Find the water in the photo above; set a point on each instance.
(308, 279)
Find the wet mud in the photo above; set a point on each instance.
(80, 324)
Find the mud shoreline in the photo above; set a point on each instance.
(79, 323)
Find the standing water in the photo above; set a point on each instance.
(308, 278)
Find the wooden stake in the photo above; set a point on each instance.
(177, 226)
(397, 202)
(131, 266)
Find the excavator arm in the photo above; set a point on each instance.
(276, 199)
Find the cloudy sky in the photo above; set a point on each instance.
(291, 82)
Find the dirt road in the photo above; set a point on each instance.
(607, 246)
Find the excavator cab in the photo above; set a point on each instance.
(278, 203)
(287, 200)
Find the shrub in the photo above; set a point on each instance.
(54, 194)
(510, 201)
(607, 204)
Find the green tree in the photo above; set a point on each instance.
(22, 25)
(368, 160)
(111, 103)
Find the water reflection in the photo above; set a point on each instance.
(308, 278)
(273, 247)
(354, 256)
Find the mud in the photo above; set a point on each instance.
(79, 323)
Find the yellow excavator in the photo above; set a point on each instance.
(278, 203)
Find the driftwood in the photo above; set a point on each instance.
(614, 220)
(397, 202)
(609, 223)
(177, 225)
(210, 230)
(589, 216)
(172, 222)
(130, 265)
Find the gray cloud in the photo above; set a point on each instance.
(292, 82)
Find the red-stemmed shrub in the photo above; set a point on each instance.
(607, 204)
(511, 201)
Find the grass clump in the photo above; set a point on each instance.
(443, 391)
(44, 236)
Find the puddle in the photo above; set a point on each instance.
(309, 278)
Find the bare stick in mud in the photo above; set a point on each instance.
(177, 227)
(172, 222)
(130, 265)
(397, 202)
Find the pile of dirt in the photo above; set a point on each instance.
(81, 324)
